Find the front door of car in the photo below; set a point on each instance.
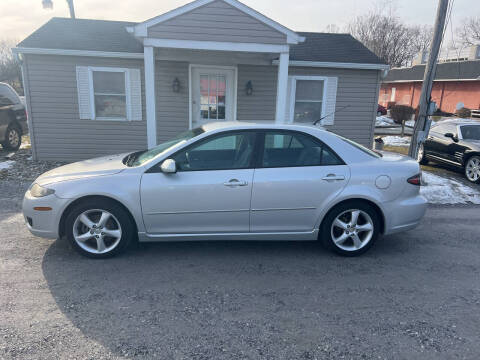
(440, 146)
(296, 175)
(209, 193)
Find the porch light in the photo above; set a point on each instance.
(176, 85)
(47, 4)
(249, 88)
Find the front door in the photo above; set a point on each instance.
(209, 193)
(212, 95)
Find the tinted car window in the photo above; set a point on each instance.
(8, 96)
(470, 132)
(223, 152)
(287, 149)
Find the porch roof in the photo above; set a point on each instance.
(112, 36)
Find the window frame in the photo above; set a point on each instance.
(156, 168)
(91, 70)
(293, 94)
(261, 149)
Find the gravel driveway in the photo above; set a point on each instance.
(414, 296)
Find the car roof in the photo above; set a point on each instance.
(232, 125)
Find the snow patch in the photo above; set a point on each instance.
(440, 190)
(396, 141)
(384, 121)
(6, 164)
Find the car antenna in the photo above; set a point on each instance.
(332, 113)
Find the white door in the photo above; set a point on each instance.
(212, 95)
(296, 177)
(209, 193)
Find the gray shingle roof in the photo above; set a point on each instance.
(103, 35)
(446, 71)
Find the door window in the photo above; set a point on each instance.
(212, 96)
(288, 149)
(223, 152)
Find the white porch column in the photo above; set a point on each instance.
(149, 62)
(282, 85)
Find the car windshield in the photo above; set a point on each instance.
(141, 157)
(470, 132)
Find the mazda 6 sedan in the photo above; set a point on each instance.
(230, 181)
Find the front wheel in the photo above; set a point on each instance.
(99, 228)
(422, 160)
(351, 228)
(13, 138)
(472, 169)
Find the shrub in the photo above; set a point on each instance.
(464, 113)
(401, 113)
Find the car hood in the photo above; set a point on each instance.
(106, 165)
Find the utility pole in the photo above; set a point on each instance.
(422, 125)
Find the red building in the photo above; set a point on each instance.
(455, 82)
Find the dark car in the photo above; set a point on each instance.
(13, 118)
(381, 110)
(454, 142)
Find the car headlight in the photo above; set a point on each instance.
(40, 191)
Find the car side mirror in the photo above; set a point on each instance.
(169, 166)
(451, 136)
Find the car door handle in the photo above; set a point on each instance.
(235, 182)
(333, 177)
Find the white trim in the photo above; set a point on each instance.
(141, 29)
(150, 100)
(40, 51)
(282, 87)
(215, 45)
(91, 69)
(190, 90)
(338, 65)
(419, 81)
(295, 78)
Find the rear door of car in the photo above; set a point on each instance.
(295, 174)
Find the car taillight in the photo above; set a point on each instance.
(415, 180)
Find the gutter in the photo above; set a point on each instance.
(338, 65)
(108, 54)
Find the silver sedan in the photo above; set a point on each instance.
(230, 181)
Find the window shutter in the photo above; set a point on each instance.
(135, 95)
(83, 89)
(331, 100)
(288, 104)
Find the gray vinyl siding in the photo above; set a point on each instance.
(259, 106)
(171, 108)
(358, 90)
(58, 132)
(217, 21)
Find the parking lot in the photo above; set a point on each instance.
(413, 296)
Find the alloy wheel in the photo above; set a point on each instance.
(97, 231)
(352, 230)
(472, 169)
(13, 138)
(421, 152)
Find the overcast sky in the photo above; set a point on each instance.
(19, 18)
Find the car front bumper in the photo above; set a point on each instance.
(43, 223)
(404, 214)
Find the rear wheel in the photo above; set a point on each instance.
(99, 229)
(350, 228)
(472, 169)
(13, 138)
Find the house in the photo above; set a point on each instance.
(457, 81)
(99, 87)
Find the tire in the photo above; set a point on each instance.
(472, 169)
(107, 230)
(421, 159)
(13, 138)
(379, 113)
(354, 242)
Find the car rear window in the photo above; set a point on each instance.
(8, 96)
(361, 147)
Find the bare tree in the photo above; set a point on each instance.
(10, 71)
(389, 38)
(333, 28)
(469, 32)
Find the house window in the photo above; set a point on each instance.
(394, 90)
(308, 100)
(110, 94)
